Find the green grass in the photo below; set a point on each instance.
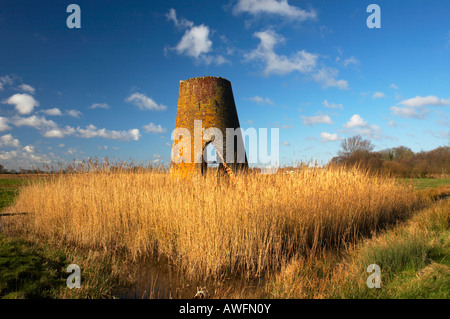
(27, 271)
(9, 188)
(7, 196)
(414, 259)
(423, 183)
(12, 181)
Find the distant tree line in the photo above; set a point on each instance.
(86, 167)
(398, 161)
(4, 170)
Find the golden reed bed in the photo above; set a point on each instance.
(208, 227)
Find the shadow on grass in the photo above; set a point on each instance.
(27, 271)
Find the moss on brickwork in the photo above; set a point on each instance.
(209, 99)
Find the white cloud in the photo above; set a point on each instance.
(439, 135)
(275, 7)
(5, 80)
(319, 119)
(284, 126)
(54, 112)
(38, 122)
(183, 23)
(99, 106)
(29, 149)
(57, 112)
(74, 113)
(416, 107)
(4, 124)
(442, 119)
(261, 100)
(219, 60)
(327, 76)
(301, 61)
(332, 105)
(286, 144)
(24, 159)
(351, 60)
(7, 155)
(134, 134)
(378, 95)
(357, 125)
(430, 100)
(153, 128)
(409, 112)
(59, 132)
(51, 129)
(392, 123)
(393, 86)
(355, 121)
(27, 88)
(92, 131)
(144, 102)
(208, 59)
(24, 103)
(327, 137)
(195, 42)
(8, 140)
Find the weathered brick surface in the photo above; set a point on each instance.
(211, 100)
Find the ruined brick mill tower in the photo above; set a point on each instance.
(209, 100)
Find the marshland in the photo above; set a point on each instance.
(139, 232)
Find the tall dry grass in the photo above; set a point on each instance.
(206, 226)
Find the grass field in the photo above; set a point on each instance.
(10, 184)
(424, 183)
(29, 272)
(293, 230)
(414, 259)
(8, 191)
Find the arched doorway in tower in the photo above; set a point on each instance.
(209, 158)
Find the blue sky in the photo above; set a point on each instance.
(311, 68)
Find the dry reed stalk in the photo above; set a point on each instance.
(208, 228)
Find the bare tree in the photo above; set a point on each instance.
(357, 151)
(354, 145)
